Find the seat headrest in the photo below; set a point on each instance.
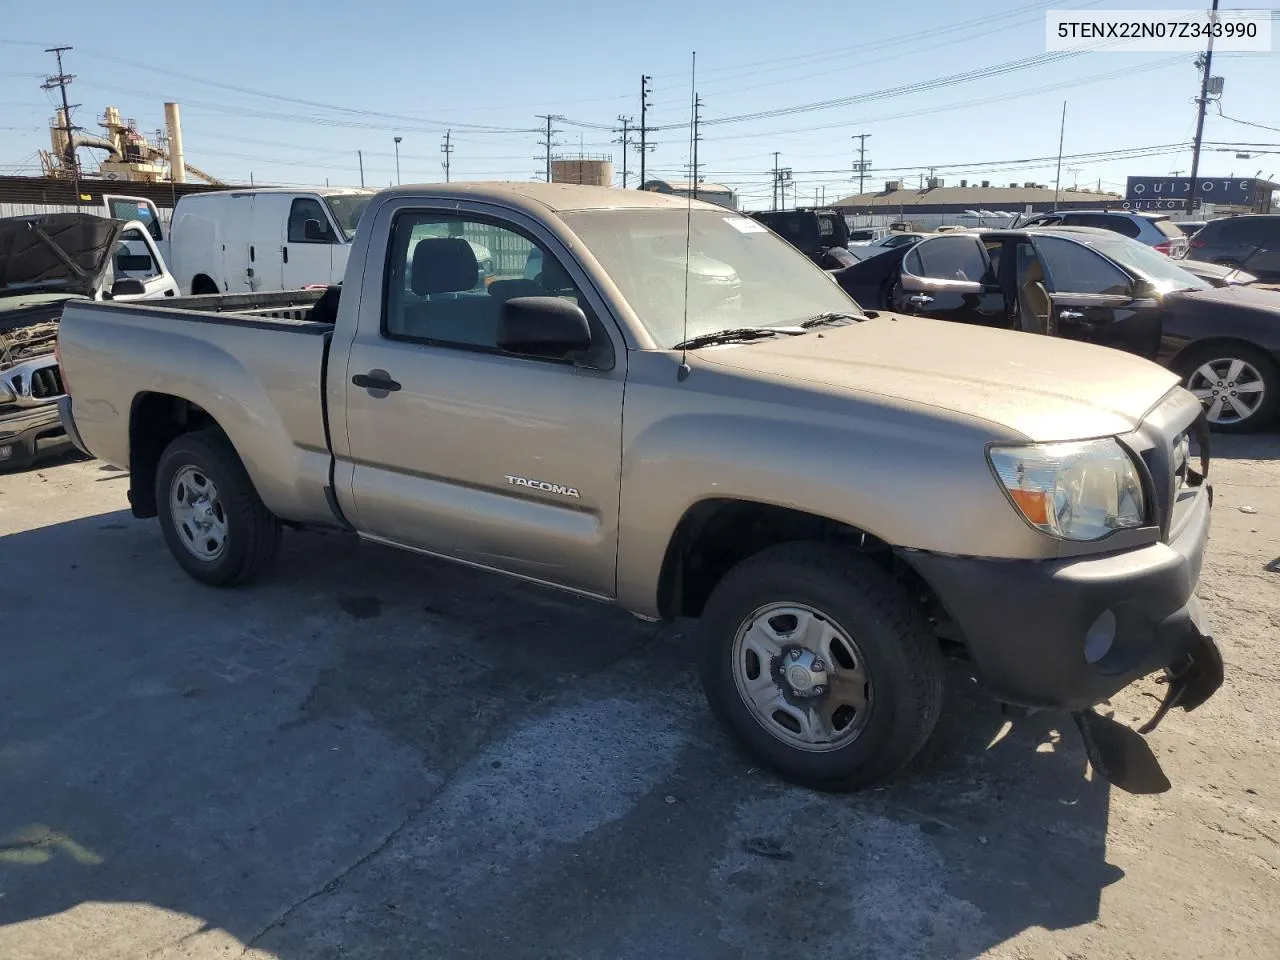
(1035, 273)
(554, 276)
(503, 290)
(443, 265)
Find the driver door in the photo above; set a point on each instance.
(950, 278)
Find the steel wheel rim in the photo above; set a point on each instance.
(819, 718)
(1230, 389)
(198, 515)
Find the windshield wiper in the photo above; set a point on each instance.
(737, 335)
(830, 317)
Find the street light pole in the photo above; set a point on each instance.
(398, 139)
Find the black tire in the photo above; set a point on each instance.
(202, 285)
(899, 650)
(253, 532)
(1265, 413)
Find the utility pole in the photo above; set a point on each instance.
(697, 119)
(1206, 63)
(861, 165)
(398, 139)
(1062, 132)
(777, 179)
(360, 158)
(60, 81)
(549, 144)
(625, 140)
(446, 148)
(645, 146)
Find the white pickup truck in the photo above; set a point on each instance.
(840, 496)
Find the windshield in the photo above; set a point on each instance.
(740, 273)
(346, 209)
(1145, 261)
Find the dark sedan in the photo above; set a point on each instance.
(1099, 287)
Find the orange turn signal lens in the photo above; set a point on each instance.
(1034, 504)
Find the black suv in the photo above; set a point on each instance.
(1251, 243)
(821, 235)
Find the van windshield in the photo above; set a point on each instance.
(346, 209)
(740, 273)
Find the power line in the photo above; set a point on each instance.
(1205, 63)
(548, 143)
(645, 129)
(860, 167)
(61, 80)
(625, 140)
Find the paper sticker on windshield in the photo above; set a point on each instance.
(746, 225)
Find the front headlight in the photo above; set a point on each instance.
(1075, 491)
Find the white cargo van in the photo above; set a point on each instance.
(259, 240)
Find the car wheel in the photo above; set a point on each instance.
(1238, 384)
(214, 523)
(818, 662)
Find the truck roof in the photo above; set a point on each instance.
(322, 191)
(557, 197)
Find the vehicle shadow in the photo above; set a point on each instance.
(378, 755)
(1263, 445)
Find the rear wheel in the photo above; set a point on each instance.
(214, 523)
(202, 285)
(819, 664)
(1238, 384)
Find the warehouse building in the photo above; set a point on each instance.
(977, 203)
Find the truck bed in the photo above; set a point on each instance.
(252, 362)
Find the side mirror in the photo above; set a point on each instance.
(552, 328)
(127, 287)
(312, 232)
(1142, 289)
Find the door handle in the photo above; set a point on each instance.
(1070, 315)
(251, 254)
(920, 299)
(284, 252)
(376, 381)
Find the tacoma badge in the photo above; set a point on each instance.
(542, 485)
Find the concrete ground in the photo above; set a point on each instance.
(372, 755)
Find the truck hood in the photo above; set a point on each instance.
(55, 253)
(1045, 389)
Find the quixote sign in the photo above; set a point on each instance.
(1170, 193)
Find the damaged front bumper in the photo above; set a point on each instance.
(1069, 634)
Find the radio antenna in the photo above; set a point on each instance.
(688, 217)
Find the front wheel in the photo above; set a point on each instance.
(214, 523)
(820, 665)
(1238, 385)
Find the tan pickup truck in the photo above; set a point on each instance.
(663, 405)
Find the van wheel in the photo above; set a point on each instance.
(1238, 384)
(202, 285)
(818, 662)
(216, 526)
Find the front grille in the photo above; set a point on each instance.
(45, 383)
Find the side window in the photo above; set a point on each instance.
(1248, 230)
(302, 210)
(447, 278)
(948, 258)
(133, 210)
(1074, 268)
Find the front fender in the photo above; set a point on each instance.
(912, 478)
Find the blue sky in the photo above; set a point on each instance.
(291, 96)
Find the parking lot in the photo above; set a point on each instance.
(374, 755)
